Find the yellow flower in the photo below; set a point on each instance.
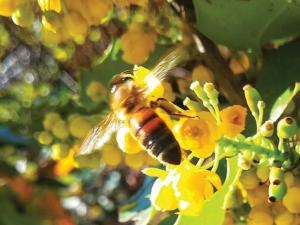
(126, 142)
(79, 127)
(50, 5)
(202, 74)
(197, 134)
(185, 187)
(52, 22)
(45, 138)
(50, 119)
(137, 44)
(111, 155)
(239, 64)
(66, 165)
(60, 129)
(48, 38)
(163, 196)
(96, 91)
(233, 120)
(290, 200)
(135, 161)
(260, 216)
(76, 26)
(7, 7)
(127, 3)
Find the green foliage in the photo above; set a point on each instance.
(280, 72)
(213, 211)
(241, 24)
(282, 102)
(14, 212)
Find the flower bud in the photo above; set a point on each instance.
(287, 128)
(276, 175)
(211, 91)
(277, 191)
(267, 129)
(196, 87)
(252, 97)
(263, 172)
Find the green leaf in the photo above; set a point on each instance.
(282, 102)
(243, 24)
(280, 71)
(213, 211)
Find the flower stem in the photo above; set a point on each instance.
(192, 105)
(217, 160)
(240, 146)
(200, 162)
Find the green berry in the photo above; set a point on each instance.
(277, 191)
(267, 129)
(287, 128)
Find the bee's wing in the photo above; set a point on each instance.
(100, 134)
(171, 60)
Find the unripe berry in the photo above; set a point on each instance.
(291, 200)
(45, 138)
(263, 172)
(50, 119)
(289, 179)
(287, 127)
(249, 179)
(267, 129)
(92, 160)
(277, 191)
(135, 161)
(111, 155)
(79, 127)
(285, 218)
(276, 175)
(60, 129)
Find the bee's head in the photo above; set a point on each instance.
(121, 89)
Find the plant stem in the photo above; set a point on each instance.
(200, 162)
(216, 161)
(240, 146)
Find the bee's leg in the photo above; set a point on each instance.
(165, 105)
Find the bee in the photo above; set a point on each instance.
(129, 105)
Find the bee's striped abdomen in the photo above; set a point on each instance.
(152, 132)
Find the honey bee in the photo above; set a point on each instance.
(129, 105)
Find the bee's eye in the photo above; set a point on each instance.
(118, 81)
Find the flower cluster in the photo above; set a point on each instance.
(269, 183)
(185, 188)
(66, 27)
(188, 186)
